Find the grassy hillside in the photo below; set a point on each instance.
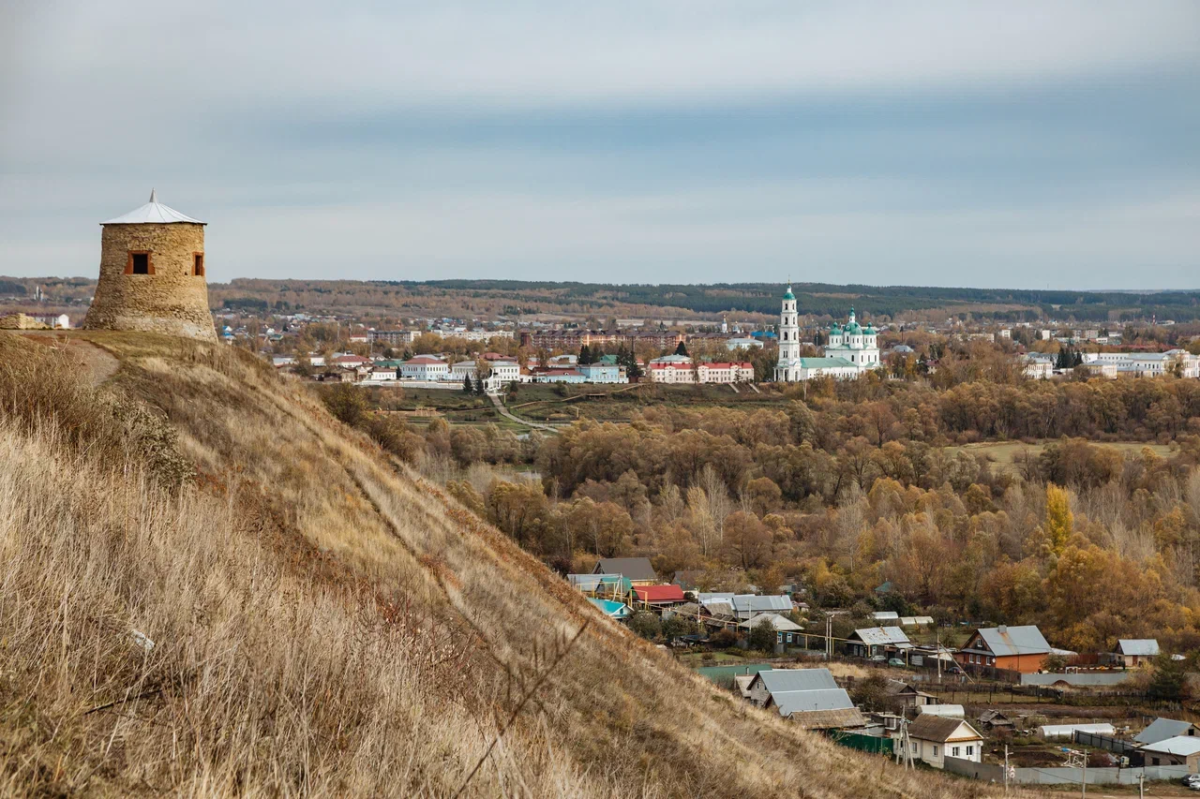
(323, 622)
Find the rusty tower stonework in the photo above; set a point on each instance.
(152, 275)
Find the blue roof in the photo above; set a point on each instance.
(789, 295)
(617, 610)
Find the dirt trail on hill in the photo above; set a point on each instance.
(99, 362)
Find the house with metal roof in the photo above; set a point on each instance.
(808, 697)
(934, 738)
(1022, 649)
(638, 570)
(747, 606)
(768, 683)
(612, 609)
(1133, 652)
(658, 596)
(614, 586)
(885, 615)
(821, 709)
(775, 620)
(1161, 729)
(871, 641)
(1183, 750)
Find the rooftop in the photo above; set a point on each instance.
(152, 213)
(1183, 745)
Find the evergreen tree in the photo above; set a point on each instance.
(1170, 680)
(681, 350)
(585, 355)
(468, 385)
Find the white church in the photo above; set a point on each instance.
(852, 348)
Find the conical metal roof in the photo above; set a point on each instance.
(152, 213)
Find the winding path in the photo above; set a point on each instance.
(507, 414)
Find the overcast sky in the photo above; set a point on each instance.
(1023, 144)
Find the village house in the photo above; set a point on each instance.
(995, 720)
(762, 687)
(657, 596)
(933, 738)
(1134, 652)
(809, 698)
(638, 570)
(907, 696)
(1022, 649)
(786, 630)
(1161, 729)
(1183, 750)
(878, 641)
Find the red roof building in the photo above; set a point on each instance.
(658, 594)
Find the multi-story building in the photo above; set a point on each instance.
(1148, 364)
(735, 372)
(393, 336)
(425, 367)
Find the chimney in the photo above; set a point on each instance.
(1002, 629)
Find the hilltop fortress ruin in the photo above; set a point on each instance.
(152, 274)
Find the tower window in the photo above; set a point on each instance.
(139, 264)
(198, 264)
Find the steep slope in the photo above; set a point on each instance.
(324, 621)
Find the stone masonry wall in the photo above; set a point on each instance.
(172, 300)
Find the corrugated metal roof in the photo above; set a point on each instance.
(1182, 745)
(1161, 729)
(751, 603)
(789, 680)
(1026, 640)
(716, 596)
(1144, 647)
(779, 623)
(881, 636)
(633, 568)
(152, 213)
(789, 702)
(618, 610)
(947, 711)
(658, 593)
(885, 615)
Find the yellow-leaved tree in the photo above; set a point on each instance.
(1058, 517)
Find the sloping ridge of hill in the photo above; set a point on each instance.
(209, 586)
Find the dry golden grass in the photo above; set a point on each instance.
(326, 623)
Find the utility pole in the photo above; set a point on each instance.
(937, 627)
(1006, 768)
(1142, 785)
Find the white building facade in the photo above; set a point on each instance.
(852, 349)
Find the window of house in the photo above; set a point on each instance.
(935, 750)
(198, 264)
(139, 264)
(954, 752)
(970, 751)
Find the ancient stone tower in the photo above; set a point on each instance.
(152, 274)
